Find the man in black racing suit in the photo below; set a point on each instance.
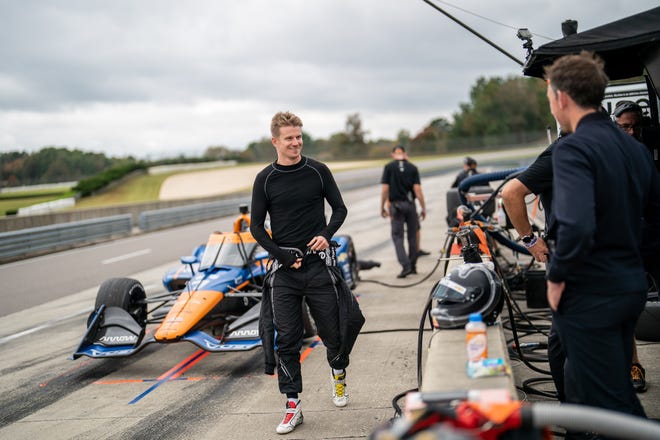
(292, 191)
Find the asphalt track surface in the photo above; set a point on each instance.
(180, 392)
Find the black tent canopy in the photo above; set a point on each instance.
(627, 46)
(630, 48)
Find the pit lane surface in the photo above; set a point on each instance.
(178, 391)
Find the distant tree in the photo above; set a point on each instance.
(220, 152)
(354, 132)
(51, 164)
(338, 146)
(511, 110)
(260, 151)
(432, 138)
(350, 143)
(57, 171)
(310, 146)
(11, 164)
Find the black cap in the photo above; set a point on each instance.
(626, 106)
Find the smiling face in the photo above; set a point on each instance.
(288, 144)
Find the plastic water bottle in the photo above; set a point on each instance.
(475, 338)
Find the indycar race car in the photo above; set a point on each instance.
(212, 300)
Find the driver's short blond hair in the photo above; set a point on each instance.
(283, 119)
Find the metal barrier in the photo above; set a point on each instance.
(42, 239)
(47, 238)
(164, 218)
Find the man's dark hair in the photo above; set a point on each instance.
(470, 161)
(582, 77)
(399, 147)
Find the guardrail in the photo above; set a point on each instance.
(33, 241)
(42, 239)
(165, 218)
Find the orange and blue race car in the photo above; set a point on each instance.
(212, 300)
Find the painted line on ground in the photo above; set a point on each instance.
(126, 256)
(173, 373)
(43, 326)
(121, 381)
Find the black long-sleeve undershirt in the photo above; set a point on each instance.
(294, 197)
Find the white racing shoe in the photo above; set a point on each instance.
(339, 395)
(292, 418)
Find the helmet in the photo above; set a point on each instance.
(468, 288)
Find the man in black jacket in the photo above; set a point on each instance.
(604, 184)
(293, 191)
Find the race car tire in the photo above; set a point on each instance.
(125, 293)
(309, 327)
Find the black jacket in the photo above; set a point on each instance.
(604, 183)
(350, 319)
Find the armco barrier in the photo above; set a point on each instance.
(164, 218)
(117, 221)
(33, 241)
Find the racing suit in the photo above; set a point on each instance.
(294, 196)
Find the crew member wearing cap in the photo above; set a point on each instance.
(628, 117)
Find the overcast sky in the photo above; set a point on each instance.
(157, 78)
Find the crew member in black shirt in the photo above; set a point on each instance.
(469, 169)
(400, 187)
(604, 184)
(293, 191)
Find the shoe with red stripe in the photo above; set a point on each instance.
(292, 418)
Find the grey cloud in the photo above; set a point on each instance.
(337, 56)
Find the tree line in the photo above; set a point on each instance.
(501, 112)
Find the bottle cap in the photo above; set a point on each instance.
(475, 317)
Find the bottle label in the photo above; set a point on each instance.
(477, 347)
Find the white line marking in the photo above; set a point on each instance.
(126, 256)
(45, 325)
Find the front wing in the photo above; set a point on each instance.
(112, 326)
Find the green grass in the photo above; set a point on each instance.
(14, 200)
(143, 188)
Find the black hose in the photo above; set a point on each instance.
(405, 286)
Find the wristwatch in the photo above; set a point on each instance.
(529, 240)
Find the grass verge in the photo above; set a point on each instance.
(12, 201)
(142, 188)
